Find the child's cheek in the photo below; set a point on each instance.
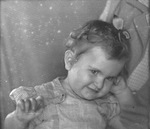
(87, 78)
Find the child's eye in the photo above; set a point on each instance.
(95, 72)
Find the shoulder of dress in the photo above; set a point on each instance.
(59, 92)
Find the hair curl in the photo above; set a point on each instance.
(96, 32)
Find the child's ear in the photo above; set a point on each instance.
(69, 59)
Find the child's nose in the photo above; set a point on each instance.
(99, 82)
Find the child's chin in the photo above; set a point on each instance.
(89, 97)
(86, 94)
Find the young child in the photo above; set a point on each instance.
(92, 94)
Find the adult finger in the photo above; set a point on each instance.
(40, 102)
(20, 105)
(33, 104)
(27, 105)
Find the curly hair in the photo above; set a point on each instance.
(99, 33)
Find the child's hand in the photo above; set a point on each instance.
(119, 86)
(28, 109)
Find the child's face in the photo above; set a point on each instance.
(92, 75)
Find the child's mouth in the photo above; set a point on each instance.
(93, 88)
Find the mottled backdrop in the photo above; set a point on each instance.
(33, 34)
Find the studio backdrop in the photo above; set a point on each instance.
(33, 34)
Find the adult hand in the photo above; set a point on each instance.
(119, 86)
(28, 109)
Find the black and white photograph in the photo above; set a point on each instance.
(74, 64)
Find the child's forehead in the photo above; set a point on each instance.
(85, 46)
(95, 52)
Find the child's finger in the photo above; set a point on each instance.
(33, 104)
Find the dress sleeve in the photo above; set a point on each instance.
(49, 91)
